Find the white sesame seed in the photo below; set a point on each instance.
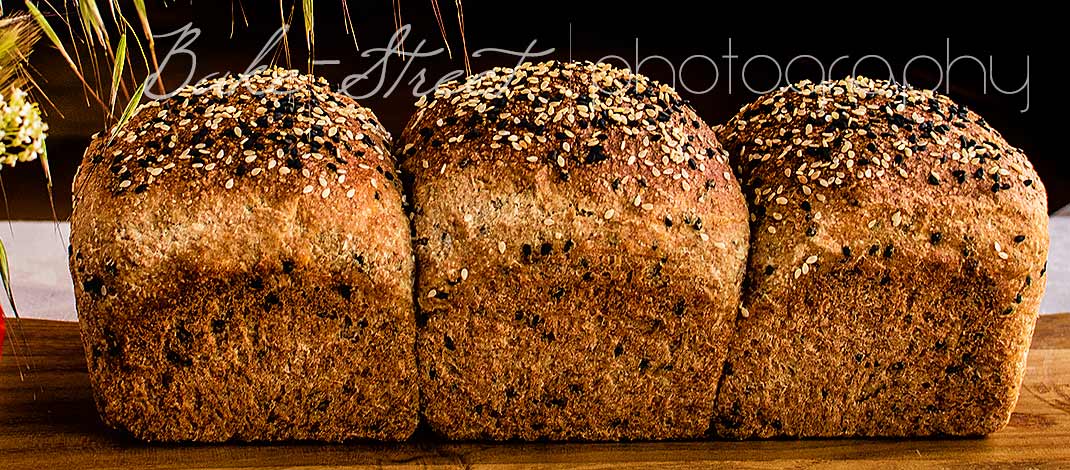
(609, 214)
(308, 189)
(229, 184)
(501, 247)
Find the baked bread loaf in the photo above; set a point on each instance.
(243, 268)
(581, 244)
(896, 266)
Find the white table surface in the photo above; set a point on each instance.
(37, 256)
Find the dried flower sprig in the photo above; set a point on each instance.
(22, 131)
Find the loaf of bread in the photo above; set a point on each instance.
(243, 268)
(581, 244)
(896, 266)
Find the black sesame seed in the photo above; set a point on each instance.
(1019, 239)
(935, 238)
(595, 154)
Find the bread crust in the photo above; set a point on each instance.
(580, 243)
(243, 268)
(896, 266)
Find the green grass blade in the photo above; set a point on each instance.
(45, 167)
(117, 70)
(130, 108)
(49, 32)
(6, 275)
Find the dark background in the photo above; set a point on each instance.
(675, 30)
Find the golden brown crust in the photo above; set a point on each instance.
(581, 243)
(243, 268)
(895, 269)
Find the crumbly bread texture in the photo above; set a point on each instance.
(581, 243)
(896, 266)
(243, 268)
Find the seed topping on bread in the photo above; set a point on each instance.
(223, 129)
(567, 116)
(826, 140)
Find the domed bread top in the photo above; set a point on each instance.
(276, 131)
(906, 160)
(591, 123)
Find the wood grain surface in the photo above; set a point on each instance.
(47, 421)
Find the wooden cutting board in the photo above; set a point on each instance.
(47, 421)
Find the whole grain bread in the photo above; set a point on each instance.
(896, 266)
(243, 268)
(581, 244)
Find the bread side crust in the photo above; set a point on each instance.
(896, 268)
(570, 287)
(222, 299)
